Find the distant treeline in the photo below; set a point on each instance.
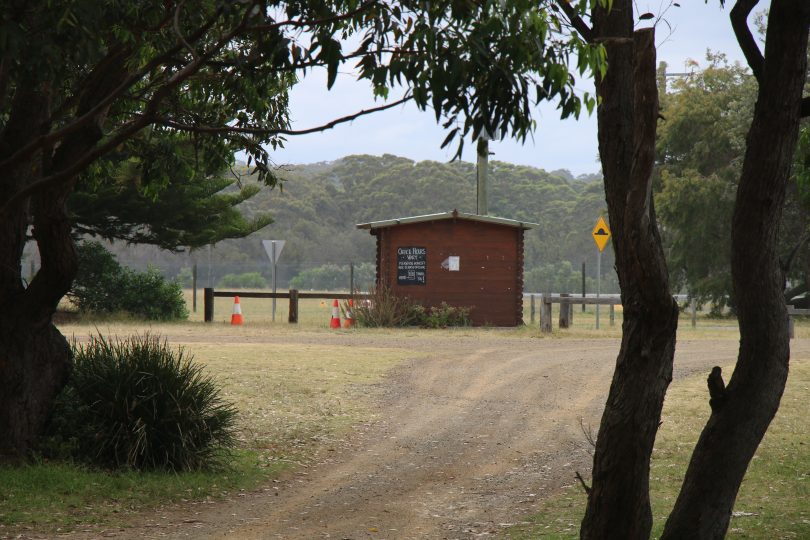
(320, 204)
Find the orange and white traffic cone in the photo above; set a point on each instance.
(348, 322)
(236, 318)
(335, 322)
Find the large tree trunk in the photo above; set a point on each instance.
(618, 501)
(34, 357)
(742, 411)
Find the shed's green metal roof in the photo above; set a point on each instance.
(455, 214)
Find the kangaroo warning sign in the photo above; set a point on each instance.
(601, 234)
(411, 265)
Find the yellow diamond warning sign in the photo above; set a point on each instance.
(601, 234)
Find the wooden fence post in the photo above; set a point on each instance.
(293, 318)
(532, 309)
(612, 314)
(565, 310)
(791, 328)
(208, 304)
(693, 306)
(545, 314)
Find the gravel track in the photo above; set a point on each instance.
(467, 440)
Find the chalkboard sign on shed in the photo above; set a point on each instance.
(411, 265)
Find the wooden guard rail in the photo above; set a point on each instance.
(792, 312)
(294, 295)
(567, 308)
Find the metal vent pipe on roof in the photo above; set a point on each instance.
(482, 165)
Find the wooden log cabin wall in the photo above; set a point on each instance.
(465, 260)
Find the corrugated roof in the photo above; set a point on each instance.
(455, 214)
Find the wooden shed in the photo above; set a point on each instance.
(466, 260)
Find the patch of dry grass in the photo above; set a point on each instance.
(291, 396)
(772, 502)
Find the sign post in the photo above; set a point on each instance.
(273, 249)
(601, 235)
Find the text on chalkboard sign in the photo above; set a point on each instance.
(411, 265)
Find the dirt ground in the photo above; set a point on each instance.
(466, 441)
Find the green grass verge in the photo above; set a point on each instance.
(60, 496)
(772, 502)
(293, 400)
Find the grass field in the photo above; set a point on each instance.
(299, 399)
(293, 401)
(772, 502)
(315, 314)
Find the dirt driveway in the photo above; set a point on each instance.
(466, 441)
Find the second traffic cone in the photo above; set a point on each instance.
(335, 322)
(236, 318)
(348, 322)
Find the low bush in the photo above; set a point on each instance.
(103, 286)
(442, 316)
(150, 296)
(385, 309)
(136, 403)
(248, 280)
(99, 280)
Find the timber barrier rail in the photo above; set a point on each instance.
(293, 295)
(792, 312)
(566, 302)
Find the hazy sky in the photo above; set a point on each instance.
(558, 144)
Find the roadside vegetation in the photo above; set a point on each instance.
(772, 500)
(291, 403)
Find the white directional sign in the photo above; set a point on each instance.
(273, 249)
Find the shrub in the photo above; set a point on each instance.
(137, 403)
(102, 285)
(248, 280)
(99, 280)
(443, 316)
(385, 309)
(150, 296)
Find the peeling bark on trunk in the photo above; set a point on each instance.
(742, 412)
(618, 501)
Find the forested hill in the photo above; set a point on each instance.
(320, 204)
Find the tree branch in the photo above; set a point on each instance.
(739, 22)
(179, 33)
(266, 131)
(129, 129)
(576, 21)
(310, 24)
(585, 486)
(717, 388)
(80, 122)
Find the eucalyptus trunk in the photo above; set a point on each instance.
(618, 500)
(742, 411)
